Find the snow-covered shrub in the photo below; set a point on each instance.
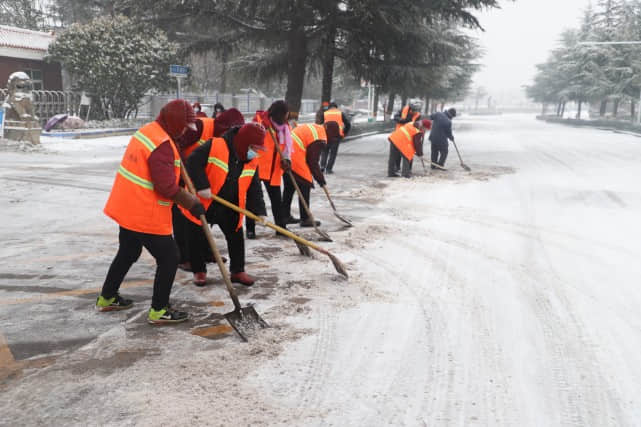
(116, 61)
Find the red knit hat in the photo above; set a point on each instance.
(228, 119)
(427, 124)
(250, 134)
(176, 116)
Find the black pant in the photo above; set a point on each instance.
(394, 162)
(227, 221)
(328, 156)
(180, 232)
(273, 191)
(439, 153)
(162, 248)
(288, 195)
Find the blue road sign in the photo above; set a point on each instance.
(178, 71)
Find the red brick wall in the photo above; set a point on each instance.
(51, 75)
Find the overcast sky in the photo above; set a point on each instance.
(520, 35)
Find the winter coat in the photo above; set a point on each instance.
(441, 128)
(196, 164)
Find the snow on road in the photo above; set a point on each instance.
(506, 296)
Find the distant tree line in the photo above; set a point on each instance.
(583, 71)
(404, 48)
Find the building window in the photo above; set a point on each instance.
(36, 78)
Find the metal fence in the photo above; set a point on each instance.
(48, 103)
(246, 103)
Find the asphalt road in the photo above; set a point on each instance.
(504, 296)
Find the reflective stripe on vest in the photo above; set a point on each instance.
(218, 162)
(305, 135)
(405, 111)
(145, 141)
(135, 178)
(216, 170)
(314, 133)
(208, 130)
(298, 141)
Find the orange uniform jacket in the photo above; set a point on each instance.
(303, 136)
(133, 203)
(216, 171)
(335, 115)
(403, 139)
(269, 168)
(404, 113)
(207, 134)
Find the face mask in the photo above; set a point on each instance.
(251, 154)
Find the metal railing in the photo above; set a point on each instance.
(48, 103)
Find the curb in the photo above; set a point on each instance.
(96, 133)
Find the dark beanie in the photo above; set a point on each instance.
(251, 133)
(226, 120)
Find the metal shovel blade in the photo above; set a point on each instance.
(304, 250)
(324, 236)
(343, 219)
(245, 320)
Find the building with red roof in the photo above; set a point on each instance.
(25, 50)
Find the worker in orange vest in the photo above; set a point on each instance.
(144, 190)
(328, 157)
(309, 141)
(404, 143)
(226, 167)
(207, 128)
(270, 164)
(408, 113)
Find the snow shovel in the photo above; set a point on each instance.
(242, 319)
(324, 236)
(437, 166)
(336, 214)
(338, 265)
(463, 165)
(423, 163)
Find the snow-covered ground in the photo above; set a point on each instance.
(504, 296)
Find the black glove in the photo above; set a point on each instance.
(286, 164)
(197, 210)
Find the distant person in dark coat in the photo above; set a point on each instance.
(198, 109)
(218, 110)
(439, 135)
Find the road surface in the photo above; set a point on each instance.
(504, 296)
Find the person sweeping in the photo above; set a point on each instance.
(145, 187)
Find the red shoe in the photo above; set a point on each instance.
(242, 278)
(200, 279)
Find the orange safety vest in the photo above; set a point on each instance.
(133, 203)
(216, 171)
(207, 134)
(404, 113)
(403, 139)
(269, 168)
(335, 115)
(303, 136)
